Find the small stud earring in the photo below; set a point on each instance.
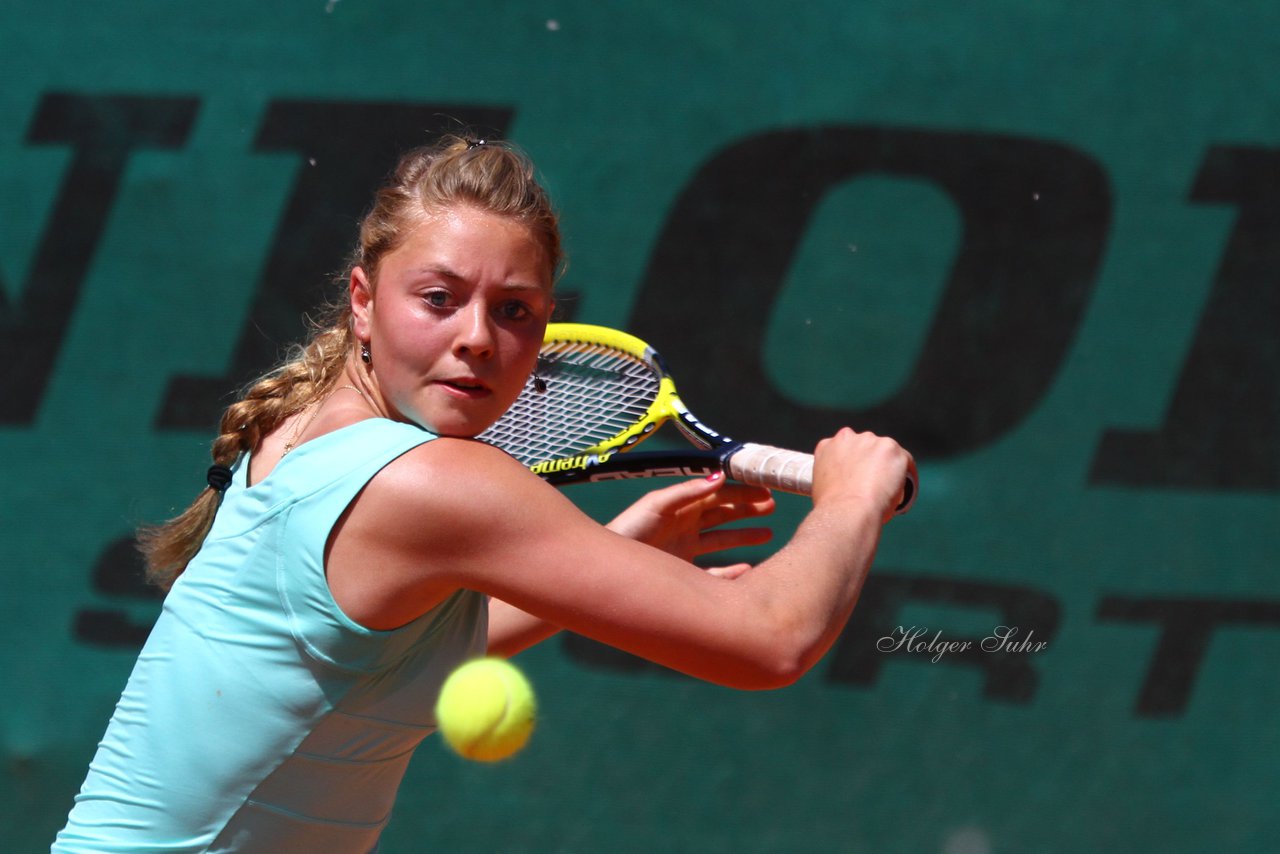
(364, 353)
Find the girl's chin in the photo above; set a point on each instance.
(452, 428)
(462, 422)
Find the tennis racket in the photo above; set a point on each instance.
(598, 392)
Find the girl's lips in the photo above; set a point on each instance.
(466, 386)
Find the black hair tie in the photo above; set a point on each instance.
(219, 477)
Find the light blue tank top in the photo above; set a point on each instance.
(258, 716)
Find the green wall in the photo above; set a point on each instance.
(1035, 240)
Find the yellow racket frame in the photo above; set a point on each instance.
(666, 404)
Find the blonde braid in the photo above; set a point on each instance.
(302, 380)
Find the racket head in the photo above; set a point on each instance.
(595, 390)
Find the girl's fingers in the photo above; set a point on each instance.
(684, 493)
(732, 538)
(728, 572)
(736, 500)
(733, 511)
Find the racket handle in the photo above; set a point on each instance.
(790, 471)
(775, 468)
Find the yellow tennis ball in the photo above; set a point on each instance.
(486, 709)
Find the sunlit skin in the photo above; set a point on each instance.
(453, 318)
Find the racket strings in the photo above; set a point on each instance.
(592, 393)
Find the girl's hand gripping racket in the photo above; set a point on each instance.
(598, 392)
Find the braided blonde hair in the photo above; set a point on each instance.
(492, 176)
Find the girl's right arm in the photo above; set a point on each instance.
(459, 514)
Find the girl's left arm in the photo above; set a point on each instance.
(512, 630)
(683, 519)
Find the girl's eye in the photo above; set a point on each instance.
(515, 311)
(436, 299)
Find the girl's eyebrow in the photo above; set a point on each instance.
(448, 272)
(437, 269)
(522, 286)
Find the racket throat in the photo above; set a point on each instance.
(699, 434)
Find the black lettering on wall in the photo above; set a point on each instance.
(346, 150)
(103, 131)
(1222, 429)
(118, 573)
(598, 656)
(1035, 218)
(1186, 628)
(1008, 675)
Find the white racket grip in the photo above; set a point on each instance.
(775, 468)
(790, 471)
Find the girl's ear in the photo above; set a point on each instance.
(361, 293)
